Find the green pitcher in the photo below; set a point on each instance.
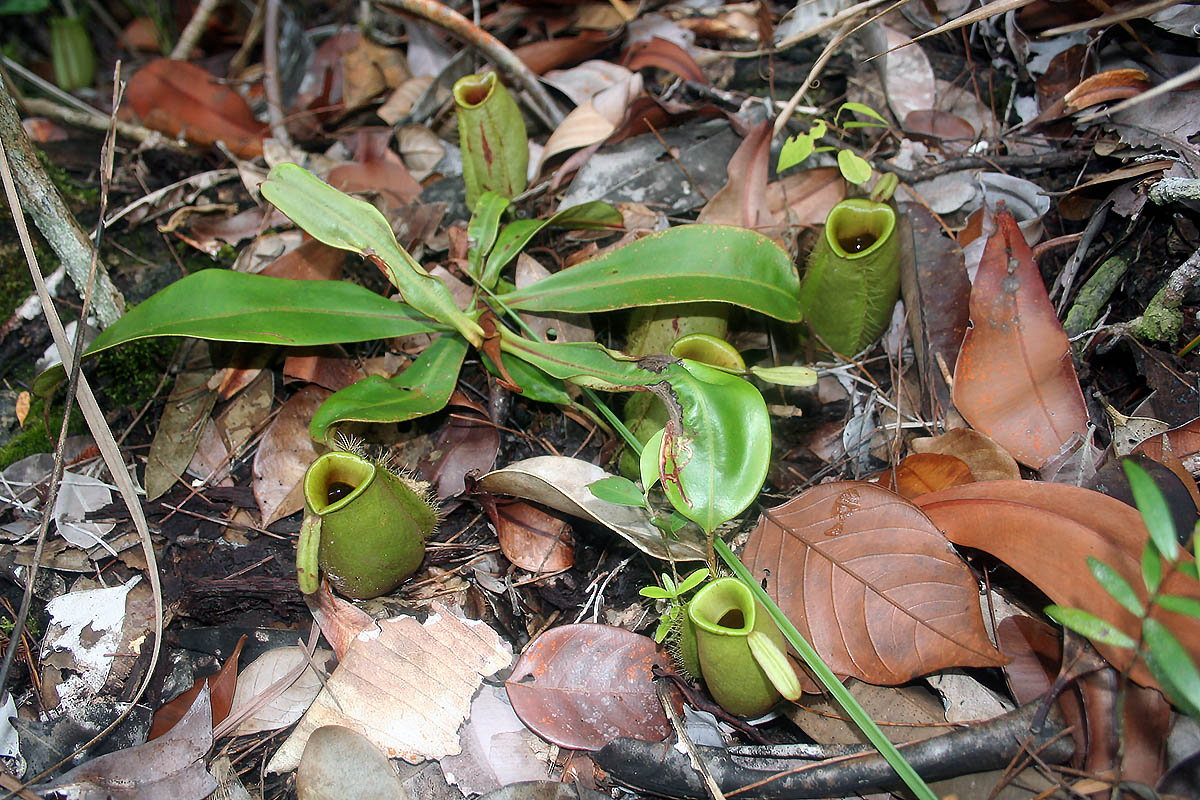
(739, 650)
(364, 526)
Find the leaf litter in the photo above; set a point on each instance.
(997, 385)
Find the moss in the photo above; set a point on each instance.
(130, 373)
(32, 438)
(79, 196)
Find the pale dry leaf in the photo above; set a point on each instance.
(288, 706)
(77, 495)
(583, 81)
(284, 454)
(987, 460)
(420, 148)
(403, 98)
(407, 687)
(908, 79)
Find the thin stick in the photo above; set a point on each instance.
(492, 48)
(195, 27)
(271, 74)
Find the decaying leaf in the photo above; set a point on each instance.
(284, 454)
(987, 460)
(562, 484)
(922, 473)
(581, 686)
(1015, 380)
(220, 688)
(871, 583)
(532, 539)
(183, 419)
(288, 706)
(340, 621)
(407, 687)
(1046, 532)
(170, 766)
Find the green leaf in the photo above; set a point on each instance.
(685, 264)
(693, 580)
(23, 6)
(585, 363)
(482, 230)
(854, 168)
(1116, 586)
(535, 384)
(423, 388)
(345, 222)
(714, 461)
(1189, 606)
(856, 124)
(800, 146)
(654, 593)
(1189, 568)
(226, 306)
(650, 462)
(1153, 505)
(618, 490)
(596, 215)
(491, 134)
(1172, 666)
(1151, 567)
(860, 108)
(1089, 625)
(786, 376)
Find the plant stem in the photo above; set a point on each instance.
(846, 700)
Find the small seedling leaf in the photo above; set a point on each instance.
(1173, 667)
(854, 169)
(1153, 506)
(1117, 587)
(618, 490)
(1180, 605)
(1089, 625)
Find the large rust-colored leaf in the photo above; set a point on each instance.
(581, 686)
(1046, 531)
(871, 583)
(182, 99)
(1014, 379)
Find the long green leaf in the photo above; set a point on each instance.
(345, 222)
(685, 264)
(423, 388)
(825, 675)
(1172, 666)
(584, 363)
(1153, 505)
(225, 306)
(1116, 586)
(1088, 624)
(482, 230)
(714, 466)
(512, 240)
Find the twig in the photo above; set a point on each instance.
(668, 707)
(1049, 160)
(271, 74)
(100, 431)
(195, 27)
(51, 215)
(492, 48)
(249, 39)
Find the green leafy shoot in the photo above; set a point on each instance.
(1088, 624)
(1172, 666)
(673, 595)
(1117, 587)
(854, 168)
(1155, 513)
(866, 111)
(800, 146)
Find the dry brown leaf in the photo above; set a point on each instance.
(368, 69)
(1046, 531)
(871, 583)
(665, 55)
(407, 687)
(402, 100)
(421, 150)
(742, 200)
(1113, 84)
(290, 704)
(922, 473)
(340, 621)
(284, 454)
(938, 125)
(532, 539)
(221, 687)
(22, 409)
(1014, 379)
(987, 460)
(806, 197)
(182, 99)
(548, 54)
(311, 261)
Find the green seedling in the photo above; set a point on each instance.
(672, 594)
(853, 167)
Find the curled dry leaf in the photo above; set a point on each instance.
(871, 583)
(1019, 522)
(532, 539)
(987, 460)
(922, 473)
(284, 454)
(340, 621)
(288, 706)
(220, 687)
(1113, 84)
(406, 686)
(1014, 379)
(581, 686)
(938, 125)
(657, 52)
(182, 99)
(806, 197)
(580, 83)
(562, 484)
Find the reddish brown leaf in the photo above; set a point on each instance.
(330, 370)
(1114, 84)
(284, 454)
(870, 582)
(1046, 531)
(1034, 650)
(220, 685)
(1014, 379)
(742, 200)
(340, 621)
(1183, 441)
(922, 473)
(938, 125)
(531, 538)
(182, 99)
(987, 460)
(581, 686)
(468, 441)
(806, 197)
(665, 55)
(543, 56)
(311, 261)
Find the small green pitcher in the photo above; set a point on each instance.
(363, 526)
(740, 651)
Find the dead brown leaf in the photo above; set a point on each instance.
(869, 581)
(284, 454)
(220, 686)
(532, 539)
(987, 460)
(922, 473)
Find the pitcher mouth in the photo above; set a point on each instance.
(335, 479)
(725, 607)
(856, 227)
